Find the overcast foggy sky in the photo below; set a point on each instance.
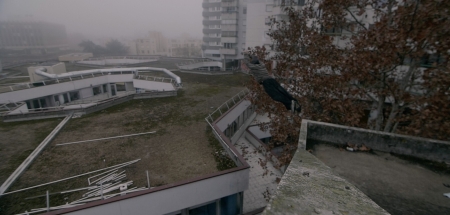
(112, 18)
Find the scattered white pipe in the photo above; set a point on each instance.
(106, 138)
(76, 176)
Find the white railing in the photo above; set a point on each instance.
(57, 81)
(154, 78)
(219, 112)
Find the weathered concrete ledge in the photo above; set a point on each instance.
(310, 187)
(423, 148)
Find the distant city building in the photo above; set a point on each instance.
(185, 46)
(154, 44)
(74, 57)
(230, 26)
(157, 44)
(34, 37)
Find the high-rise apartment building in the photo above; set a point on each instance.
(224, 29)
(230, 26)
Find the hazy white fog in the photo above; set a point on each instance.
(111, 18)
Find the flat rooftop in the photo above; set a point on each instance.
(75, 54)
(399, 186)
(179, 150)
(346, 170)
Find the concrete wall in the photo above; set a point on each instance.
(256, 26)
(86, 93)
(152, 85)
(174, 198)
(423, 148)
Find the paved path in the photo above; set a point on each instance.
(259, 182)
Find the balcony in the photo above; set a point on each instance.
(226, 51)
(229, 27)
(225, 15)
(228, 40)
(211, 13)
(210, 4)
(211, 39)
(229, 4)
(211, 22)
(208, 31)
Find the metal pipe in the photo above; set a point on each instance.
(76, 176)
(106, 138)
(48, 202)
(148, 180)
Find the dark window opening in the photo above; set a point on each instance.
(74, 96)
(96, 90)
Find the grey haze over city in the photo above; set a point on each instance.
(111, 18)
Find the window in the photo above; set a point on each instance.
(269, 8)
(267, 21)
(244, 10)
(96, 90)
(74, 96)
(66, 98)
(300, 2)
(120, 86)
(204, 210)
(229, 9)
(215, 43)
(105, 89)
(229, 45)
(229, 33)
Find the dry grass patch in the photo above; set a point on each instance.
(18, 140)
(179, 150)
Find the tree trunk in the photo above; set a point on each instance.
(391, 117)
(380, 107)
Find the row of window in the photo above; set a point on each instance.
(236, 124)
(214, 18)
(227, 9)
(214, 26)
(215, 35)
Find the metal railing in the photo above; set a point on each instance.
(194, 61)
(123, 57)
(227, 105)
(219, 112)
(57, 81)
(154, 78)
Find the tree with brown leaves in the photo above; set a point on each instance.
(377, 64)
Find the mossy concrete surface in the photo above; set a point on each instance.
(310, 187)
